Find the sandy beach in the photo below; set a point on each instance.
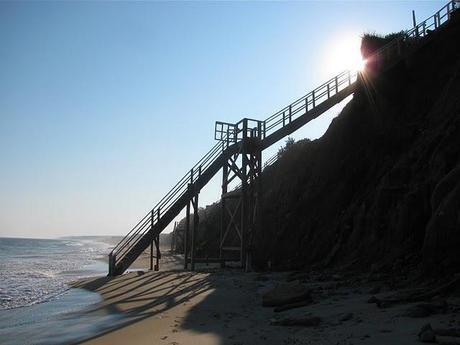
(212, 307)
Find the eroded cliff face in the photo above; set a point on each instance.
(383, 184)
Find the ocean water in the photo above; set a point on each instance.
(36, 304)
(35, 270)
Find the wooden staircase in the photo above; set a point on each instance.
(231, 137)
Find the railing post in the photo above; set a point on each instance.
(349, 78)
(328, 91)
(313, 98)
(290, 113)
(284, 119)
(306, 104)
(336, 84)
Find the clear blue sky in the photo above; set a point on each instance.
(105, 105)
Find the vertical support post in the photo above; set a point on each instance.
(255, 200)
(336, 85)
(242, 217)
(414, 23)
(313, 98)
(186, 234)
(112, 260)
(290, 113)
(196, 220)
(151, 243)
(328, 91)
(157, 243)
(158, 254)
(222, 211)
(244, 187)
(173, 238)
(284, 119)
(151, 256)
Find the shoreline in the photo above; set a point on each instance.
(39, 303)
(225, 307)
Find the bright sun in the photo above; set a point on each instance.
(344, 53)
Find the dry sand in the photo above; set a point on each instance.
(224, 307)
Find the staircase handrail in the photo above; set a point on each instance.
(177, 191)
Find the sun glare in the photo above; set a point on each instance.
(344, 53)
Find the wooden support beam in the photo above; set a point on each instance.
(151, 243)
(158, 254)
(151, 256)
(186, 235)
(196, 221)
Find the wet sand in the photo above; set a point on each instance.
(224, 307)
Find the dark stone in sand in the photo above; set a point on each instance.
(286, 294)
(373, 299)
(426, 334)
(417, 311)
(375, 290)
(346, 317)
(449, 332)
(426, 309)
(383, 304)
